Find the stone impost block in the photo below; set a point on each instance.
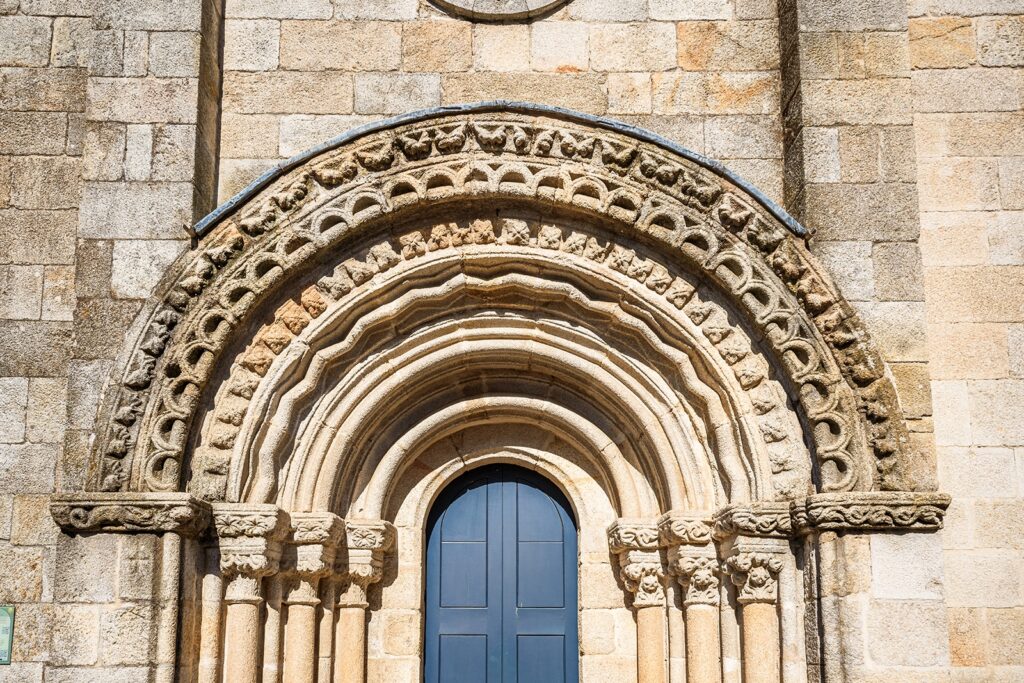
(870, 511)
(361, 559)
(315, 537)
(130, 513)
(759, 519)
(685, 528)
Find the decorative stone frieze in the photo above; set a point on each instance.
(680, 528)
(130, 512)
(704, 220)
(637, 546)
(870, 511)
(367, 542)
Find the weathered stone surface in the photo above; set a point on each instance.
(923, 640)
(34, 349)
(583, 93)
(138, 265)
(39, 90)
(302, 132)
(964, 90)
(286, 92)
(609, 10)
(150, 100)
(251, 44)
(47, 410)
(1001, 41)
(174, 53)
(28, 468)
(560, 46)
(46, 183)
(37, 236)
(878, 101)
(24, 41)
(13, 402)
(320, 45)
(629, 93)
(983, 578)
(100, 326)
(728, 45)
(386, 10)
(271, 9)
(249, 136)
(1001, 300)
(696, 10)
(135, 210)
(897, 271)
(941, 42)
(21, 292)
(632, 47)
(500, 47)
(855, 15)
(733, 137)
(968, 351)
(879, 211)
(149, 15)
(437, 46)
(396, 93)
(906, 567)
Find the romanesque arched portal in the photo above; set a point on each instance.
(500, 283)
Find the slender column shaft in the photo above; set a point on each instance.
(272, 632)
(350, 645)
(676, 637)
(761, 643)
(242, 631)
(325, 627)
(703, 645)
(300, 643)
(650, 645)
(210, 619)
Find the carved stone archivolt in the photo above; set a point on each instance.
(696, 219)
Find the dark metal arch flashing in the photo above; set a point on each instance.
(280, 169)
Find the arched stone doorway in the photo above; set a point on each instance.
(499, 283)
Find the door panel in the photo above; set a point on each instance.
(501, 581)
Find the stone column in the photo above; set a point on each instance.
(315, 538)
(366, 543)
(693, 561)
(250, 548)
(754, 569)
(272, 626)
(637, 546)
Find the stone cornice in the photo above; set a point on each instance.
(130, 512)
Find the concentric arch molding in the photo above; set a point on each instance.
(499, 10)
(688, 210)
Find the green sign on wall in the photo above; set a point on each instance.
(6, 632)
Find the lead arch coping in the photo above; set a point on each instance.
(690, 209)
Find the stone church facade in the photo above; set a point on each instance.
(741, 280)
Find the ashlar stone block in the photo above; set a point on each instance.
(437, 46)
(346, 46)
(1001, 40)
(728, 45)
(560, 46)
(501, 47)
(24, 41)
(941, 42)
(21, 293)
(251, 44)
(396, 93)
(632, 47)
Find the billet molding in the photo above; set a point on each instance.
(707, 222)
(130, 512)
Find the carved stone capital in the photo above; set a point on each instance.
(153, 513)
(637, 545)
(250, 538)
(870, 511)
(756, 574)
(679, 528)
(761, 520)
(315, 538)
(367, 542)
(699, 575)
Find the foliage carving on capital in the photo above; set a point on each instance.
(699, 577)
(637, 545)
(756, 575)
(250, 538)
(367, 543)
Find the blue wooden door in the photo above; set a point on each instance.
(501, 581)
